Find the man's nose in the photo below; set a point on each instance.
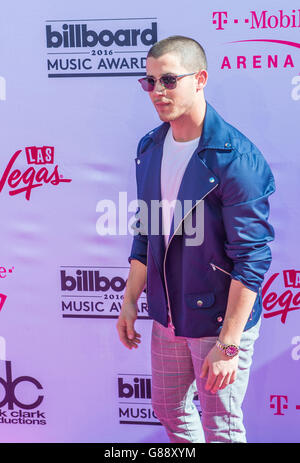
(158, 87)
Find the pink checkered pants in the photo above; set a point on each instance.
(176, 366)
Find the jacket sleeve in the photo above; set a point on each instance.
(139, 244)
(140, 239)
(245, 191)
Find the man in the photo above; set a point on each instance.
(204, 294)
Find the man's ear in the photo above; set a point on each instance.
(202, 79)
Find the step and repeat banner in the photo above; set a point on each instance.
(72, 113)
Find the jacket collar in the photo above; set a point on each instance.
(215, 132)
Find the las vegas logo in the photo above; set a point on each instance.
(40, 171)
(281, 303)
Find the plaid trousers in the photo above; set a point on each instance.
(176, 366)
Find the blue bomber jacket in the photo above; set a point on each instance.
(227, 184)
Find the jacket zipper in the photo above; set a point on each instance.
(165, 279)
(147, 267)
(215, 267)
(168, 299)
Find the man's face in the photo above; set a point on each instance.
(171, 104)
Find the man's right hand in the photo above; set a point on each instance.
(125, 325)
(134, 286)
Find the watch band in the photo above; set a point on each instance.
(231, 350)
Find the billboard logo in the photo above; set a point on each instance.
(134, 393)
(139, 388)
(33, 177)
(95, 292)
(90, 280)
(135, 407)
(79, 36)
(99, 47)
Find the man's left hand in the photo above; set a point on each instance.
(220, 370)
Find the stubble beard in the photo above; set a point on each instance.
(171, 116)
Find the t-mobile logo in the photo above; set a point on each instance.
(219, 19)
(278, 402)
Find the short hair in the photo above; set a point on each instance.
(191, 53)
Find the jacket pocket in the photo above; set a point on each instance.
(199, 300)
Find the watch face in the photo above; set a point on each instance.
(231, 351)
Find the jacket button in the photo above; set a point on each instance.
(199, 302)
(138, 161)
(219, 319)
(227, 145)
(211, 180)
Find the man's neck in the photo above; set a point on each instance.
(189, 126)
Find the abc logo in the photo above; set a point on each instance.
(10, 385)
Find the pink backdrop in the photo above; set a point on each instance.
(72, 113)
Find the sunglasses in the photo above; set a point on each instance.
(168, 81)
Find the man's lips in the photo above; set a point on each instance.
(161, 103)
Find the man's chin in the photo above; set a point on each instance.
(166, 117)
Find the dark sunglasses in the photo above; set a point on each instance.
(167, 81)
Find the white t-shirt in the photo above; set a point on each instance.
(176, 156)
